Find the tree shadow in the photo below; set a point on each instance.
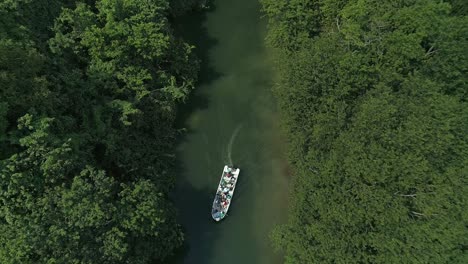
(191, 28)
(229, 45)
(195, 217)
(194, 205)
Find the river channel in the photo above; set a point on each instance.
(231, 117)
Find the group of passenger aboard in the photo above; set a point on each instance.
(223, 195)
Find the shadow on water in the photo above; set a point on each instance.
(228, 116)
(200, 201)
(191, 28)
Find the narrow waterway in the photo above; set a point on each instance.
(231, 116)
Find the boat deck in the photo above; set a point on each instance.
(225, 192)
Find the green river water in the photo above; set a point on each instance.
(231, 116)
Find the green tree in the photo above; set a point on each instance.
(374, 106)
(57, 209)
(88, 98)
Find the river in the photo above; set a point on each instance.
(231, 116)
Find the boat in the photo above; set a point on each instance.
(224, 193)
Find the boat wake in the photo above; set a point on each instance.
(231, 142)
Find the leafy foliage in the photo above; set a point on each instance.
(373, 99)
(89, 93)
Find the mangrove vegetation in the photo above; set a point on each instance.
(88, 97)
(373, 97)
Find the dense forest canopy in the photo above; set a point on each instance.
(373, 99)
(88, 96)
(373, 96)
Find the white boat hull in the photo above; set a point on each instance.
(225, 192)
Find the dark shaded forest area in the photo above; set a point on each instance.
(88, 96)
(373, 100)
